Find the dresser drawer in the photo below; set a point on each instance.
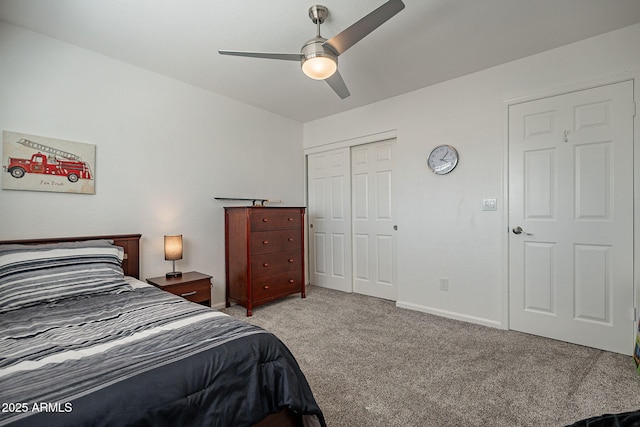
(270, 287)
(263, 242)
(274, 219)
(275, 263)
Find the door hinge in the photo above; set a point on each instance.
(633, 109)
(634, 312)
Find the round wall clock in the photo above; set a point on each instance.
(442, 159)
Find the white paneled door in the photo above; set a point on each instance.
(329, 217)
(374, 242)
(571, 217)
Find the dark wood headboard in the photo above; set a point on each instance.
(130, 243)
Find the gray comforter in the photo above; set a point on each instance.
(143, 357)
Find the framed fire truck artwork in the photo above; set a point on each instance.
(38, 163)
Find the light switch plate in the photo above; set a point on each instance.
(489, 204)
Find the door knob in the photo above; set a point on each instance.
(519, 230)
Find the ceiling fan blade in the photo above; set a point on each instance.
(356, 32)
(338, 85)
(266, 55)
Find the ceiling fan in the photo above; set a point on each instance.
(319, 56)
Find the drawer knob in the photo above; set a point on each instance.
(266, 264)
(266, 286)
(290, 239)
(290, 260)
(265, 242)
(265, 219)
(291, 281)
(289, 219)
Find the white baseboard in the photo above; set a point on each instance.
(335, 288)
(451, 315)
(218, 306)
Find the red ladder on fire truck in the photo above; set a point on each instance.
(50, 150)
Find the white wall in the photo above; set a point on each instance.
(442, 230)
(164, 150)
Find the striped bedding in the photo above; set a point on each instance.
(30, 276)
(142, 357)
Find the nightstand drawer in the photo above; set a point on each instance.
(199, 291)
(192, 286)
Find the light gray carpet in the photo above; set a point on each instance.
(372, 364)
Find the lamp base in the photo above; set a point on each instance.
(173, 274)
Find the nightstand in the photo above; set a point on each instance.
(192, 285)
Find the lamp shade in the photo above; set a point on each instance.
(173, 247)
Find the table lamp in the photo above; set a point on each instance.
(172, 252)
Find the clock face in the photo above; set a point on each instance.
(443, 159)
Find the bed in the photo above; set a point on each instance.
(84, 342)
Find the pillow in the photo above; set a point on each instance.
(60, 245)
(40, 275)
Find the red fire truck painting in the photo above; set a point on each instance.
(58, 162)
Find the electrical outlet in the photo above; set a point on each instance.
(444, 284)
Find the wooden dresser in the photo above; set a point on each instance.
(264, 254)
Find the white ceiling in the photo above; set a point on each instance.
(428, 42)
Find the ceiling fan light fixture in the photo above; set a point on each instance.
(319, 67)
(318, 60)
